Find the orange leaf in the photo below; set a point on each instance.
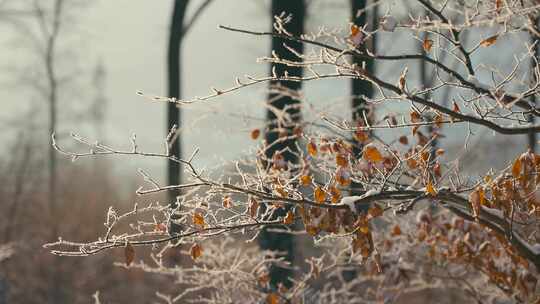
(404, 140)
(372, 154)
(272, 298)
(516, 168)
(430, 189)
(227, 202)
(341, 160)
(312, 148)
(129, 254)
(305, 180)
(375, 211)
(415, 117)
(289, 218)
(439, 152)
(198, 220)
(195, 251)
(489, 41)
(255, 133)
(161, 227)
(320, 195)
(427, 44)
(253, 207)
(396, 230)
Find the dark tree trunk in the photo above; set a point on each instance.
(532, 135)
(360, 89)
(269, 240)
(174, 85)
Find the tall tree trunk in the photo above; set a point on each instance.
(532, 135)
(271, 240)
(360, 89)
(174, 84)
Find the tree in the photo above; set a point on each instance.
(178, 31)
(482, 241)
(283, 117)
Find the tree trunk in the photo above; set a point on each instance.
(532, 135)
(360, 89)
(269, 240)
(174, 84)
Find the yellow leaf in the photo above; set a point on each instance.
(129, 254)
(371, 153)
(427, 44)
(195, 251)
(198, 220)
(430, 189)
(489, 41)
(255, 133)
(289, 218)
(320, 195)
(516, 168)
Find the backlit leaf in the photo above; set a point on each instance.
(489, 41)
(320, 195)
(430, 189)
(427, 44)
(372, 154)
(305, 180)
(289, 218)
(198, 220)
(312, 148)
(516, 168)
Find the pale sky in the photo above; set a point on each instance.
(130, 38)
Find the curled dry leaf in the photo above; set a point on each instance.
(289, 218)
(516, 168)
(489, 41)
(255, 133)
(427, 44)
(320, 195)
(195, 251)
(198, 220)
(253, 207)
(305, 180)
(312, 148)
(272, 298)
(227, 202)
(371, 153)
(404, 140)
(129, 254)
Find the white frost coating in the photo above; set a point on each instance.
(351, 200)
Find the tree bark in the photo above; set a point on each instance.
(360, 89)
(291, 106)
(174, 90)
